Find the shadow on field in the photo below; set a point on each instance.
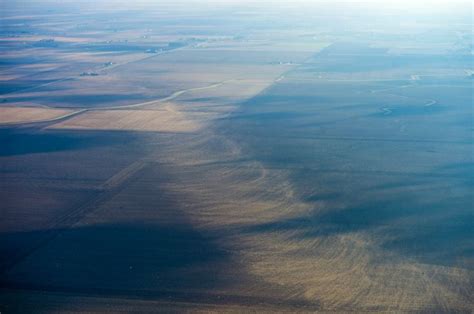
(29, 141)
(132, 259)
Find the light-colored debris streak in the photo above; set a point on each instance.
(338, 271)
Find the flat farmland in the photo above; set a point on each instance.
(234, 158)
(167, 120)
(153, 78)
(29, 114)
(382, 197)
(38, 198)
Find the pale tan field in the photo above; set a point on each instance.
(167, 120)
(12, 115)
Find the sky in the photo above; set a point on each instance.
(422, 7)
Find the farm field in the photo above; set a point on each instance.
(237, 157)
(30, 114)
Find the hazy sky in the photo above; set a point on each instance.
(410, 7)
